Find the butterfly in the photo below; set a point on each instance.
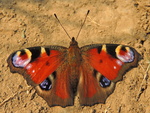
(59, 73)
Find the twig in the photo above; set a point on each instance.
(7, 99)
(144, 80)
(11, 97)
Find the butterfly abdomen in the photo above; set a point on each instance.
(74, 60)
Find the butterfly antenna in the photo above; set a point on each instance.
(61, 25)
(82, 24)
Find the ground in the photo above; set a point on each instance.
(27, 23)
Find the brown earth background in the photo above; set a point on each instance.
(27, 23)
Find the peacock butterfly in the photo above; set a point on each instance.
(59, 73)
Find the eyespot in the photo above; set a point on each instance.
(21, 58)
(104, 82)
(46, 84)
(125, 54)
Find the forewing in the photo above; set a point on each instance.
(111, 60)
(36, 63)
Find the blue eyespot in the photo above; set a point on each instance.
(104, 82)
(46, 84)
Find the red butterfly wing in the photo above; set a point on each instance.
(47, 69)
(91, 88)
(110, 59)
(102, 66)
(36, 62)
(59, 91)
(58, 72)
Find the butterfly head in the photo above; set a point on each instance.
(73, 42)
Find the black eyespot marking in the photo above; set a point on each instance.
(36, 51)
(46, 84)
(111, 49)
(47, 51)
(104, 82)
(22, 52)
(94, 72)
(123, 48)
(99, 49)
(54, 74)
(47, 63)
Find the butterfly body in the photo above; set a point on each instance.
(59, 73)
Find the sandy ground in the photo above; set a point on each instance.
(31, 23)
